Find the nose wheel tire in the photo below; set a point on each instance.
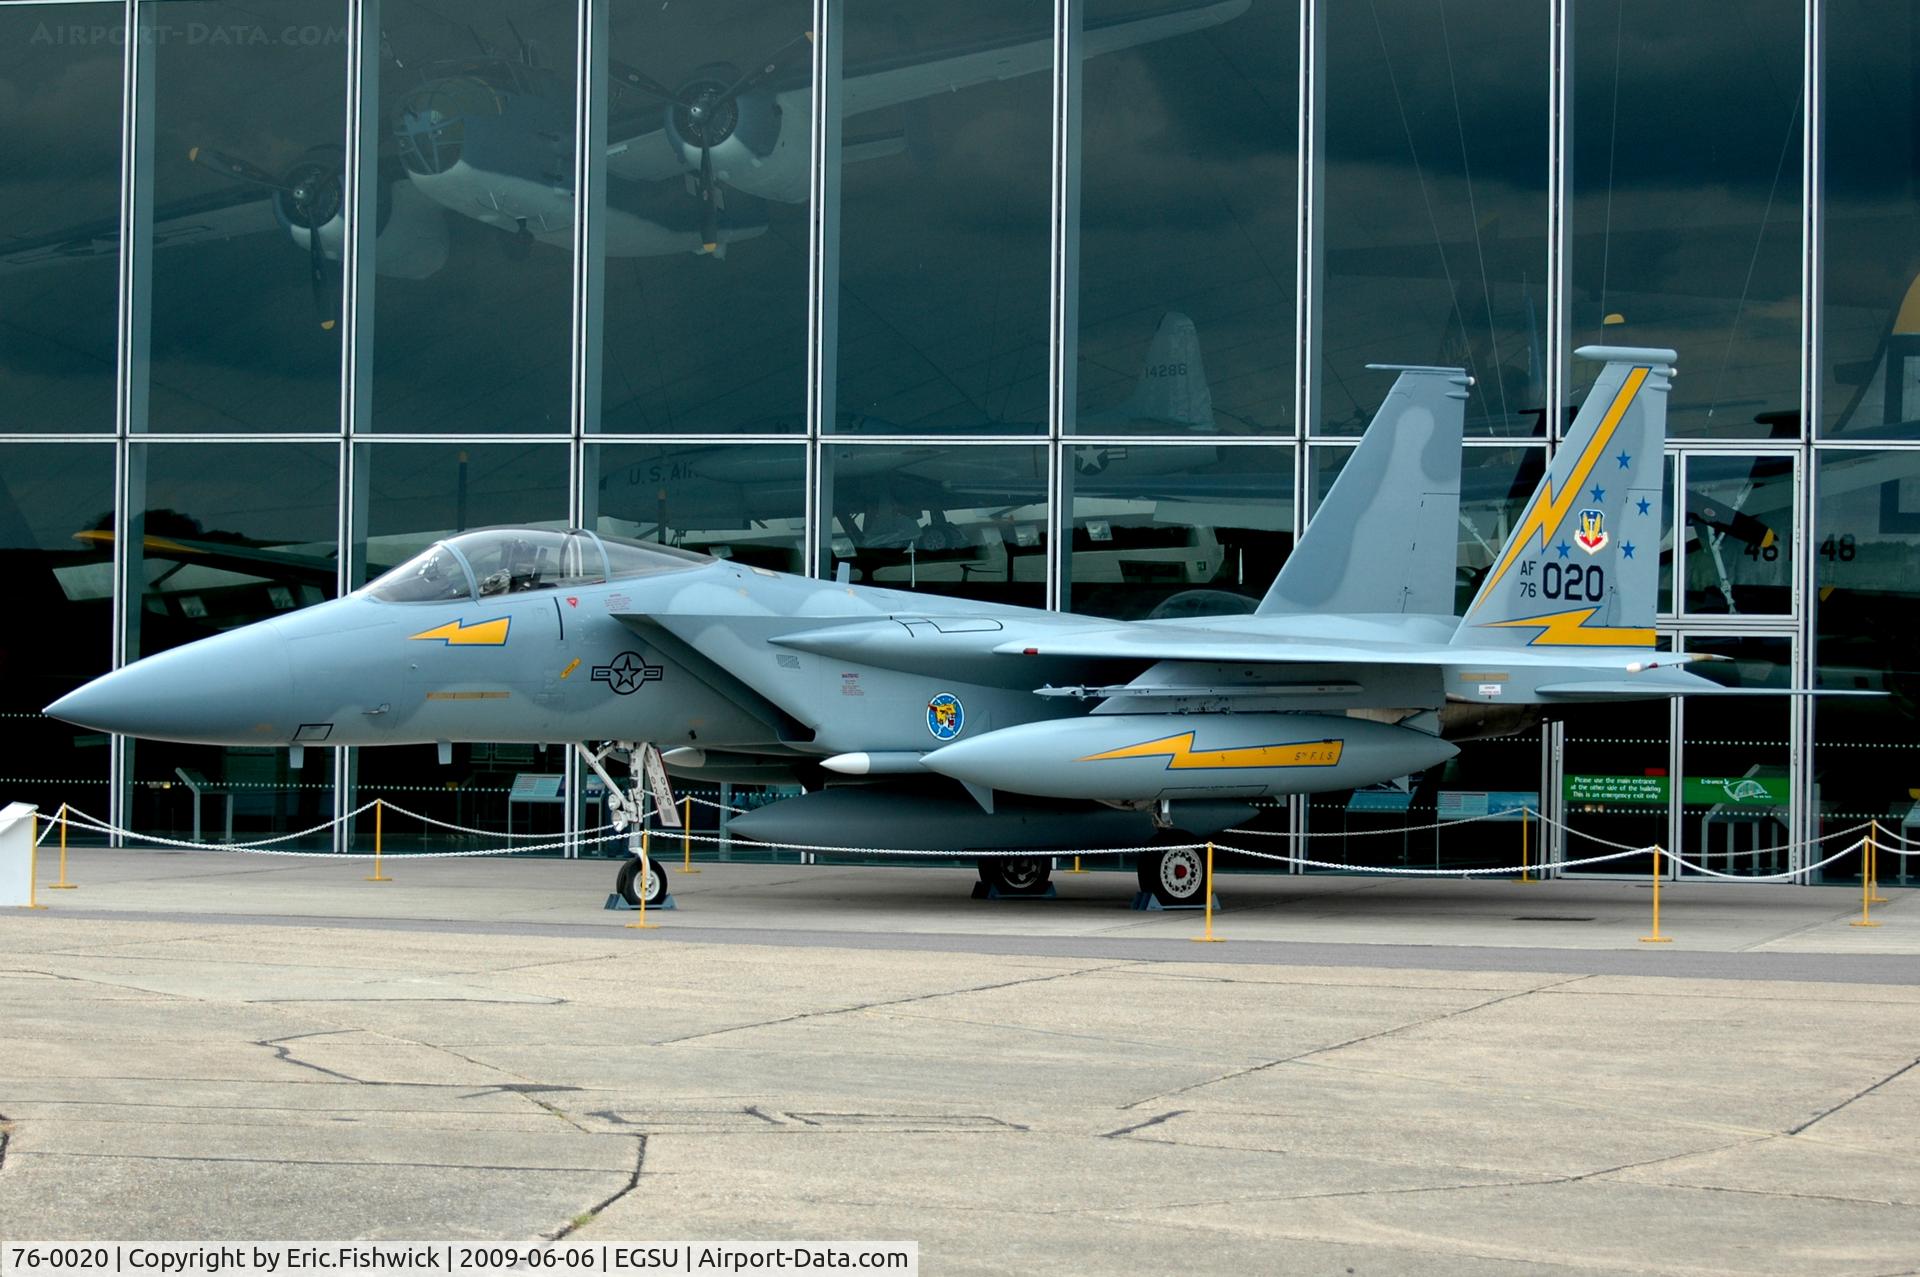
(1176, 876)
(628, 883)
(1016, 875)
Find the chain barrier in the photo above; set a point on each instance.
(1551, 823)
(468, 829)
(75, 818)
(81, 820)
(1684, 863)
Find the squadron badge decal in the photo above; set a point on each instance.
(946, 716)
(1592, 536)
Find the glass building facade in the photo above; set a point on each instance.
(1064, 303)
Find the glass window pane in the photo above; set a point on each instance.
(969, 521)
(60, 212)
(739, 501)
(943, 225)
(1616, 782)
(56, 521)
(1436, 142)
(226, 535)
(1739, 535)
(1495, 484)
(1188, 145)
(1177, 530)
(1414, 823)
(1871, 374)
(1735, 785)
(415, 495)
(1866, 552)
(1686, 203)
(249, 130)
(697, 342)
(474, 294)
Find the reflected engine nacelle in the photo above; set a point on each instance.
(740, 133)
(410, 228)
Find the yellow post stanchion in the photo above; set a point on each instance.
(379, 809)
(1209, 937)
(1076, 867)
(1866, 887)
(63, 884)
(1656, 937)
(33, 861)
(1873, 861)
(1526, 820)
(646, 881)
(686, 836)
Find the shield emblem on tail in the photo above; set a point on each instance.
(1592, 536)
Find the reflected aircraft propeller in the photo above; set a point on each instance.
(706, 112)
(307, 198)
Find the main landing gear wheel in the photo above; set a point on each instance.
(1016, 875)
(628, 883)
(1175, 876)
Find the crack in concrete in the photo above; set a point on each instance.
(283, 1053)
(1141, 1126)
(1356, 1041)
(1858, 1095)
(485, 1002)
(317, 1161)
(592, 1213)
(105, 984)
(887, 1002)
(1782, 1193)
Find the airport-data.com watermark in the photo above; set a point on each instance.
(227, 35)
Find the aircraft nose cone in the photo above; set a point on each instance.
(232, 689)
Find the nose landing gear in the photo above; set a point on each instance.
(640, 875)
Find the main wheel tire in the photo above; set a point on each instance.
(628, 883)
(1016, 875)
(1174, 876)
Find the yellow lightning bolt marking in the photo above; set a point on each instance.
(480, 634)
(1570, 629)
(1550, 508)
(1181, 755)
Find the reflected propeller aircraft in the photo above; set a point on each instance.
(956, 725)
(691, 168)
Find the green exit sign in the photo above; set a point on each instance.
(1647, 791)
(1742, 791)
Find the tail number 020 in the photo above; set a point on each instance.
(1574, 581)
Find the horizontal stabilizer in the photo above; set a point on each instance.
(1629, 689)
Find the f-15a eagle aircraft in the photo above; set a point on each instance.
(951, 724)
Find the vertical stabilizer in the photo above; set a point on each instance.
(1172, 389)
(1582, 568)
(1385, 538)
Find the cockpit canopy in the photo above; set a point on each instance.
(498, 561)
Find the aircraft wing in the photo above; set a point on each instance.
(645, 157)
(220, 215)
(871, 86)
(1145, 641)
(908, 78)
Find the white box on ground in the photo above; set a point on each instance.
(16, 853)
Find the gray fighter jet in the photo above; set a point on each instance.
(950, 724)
